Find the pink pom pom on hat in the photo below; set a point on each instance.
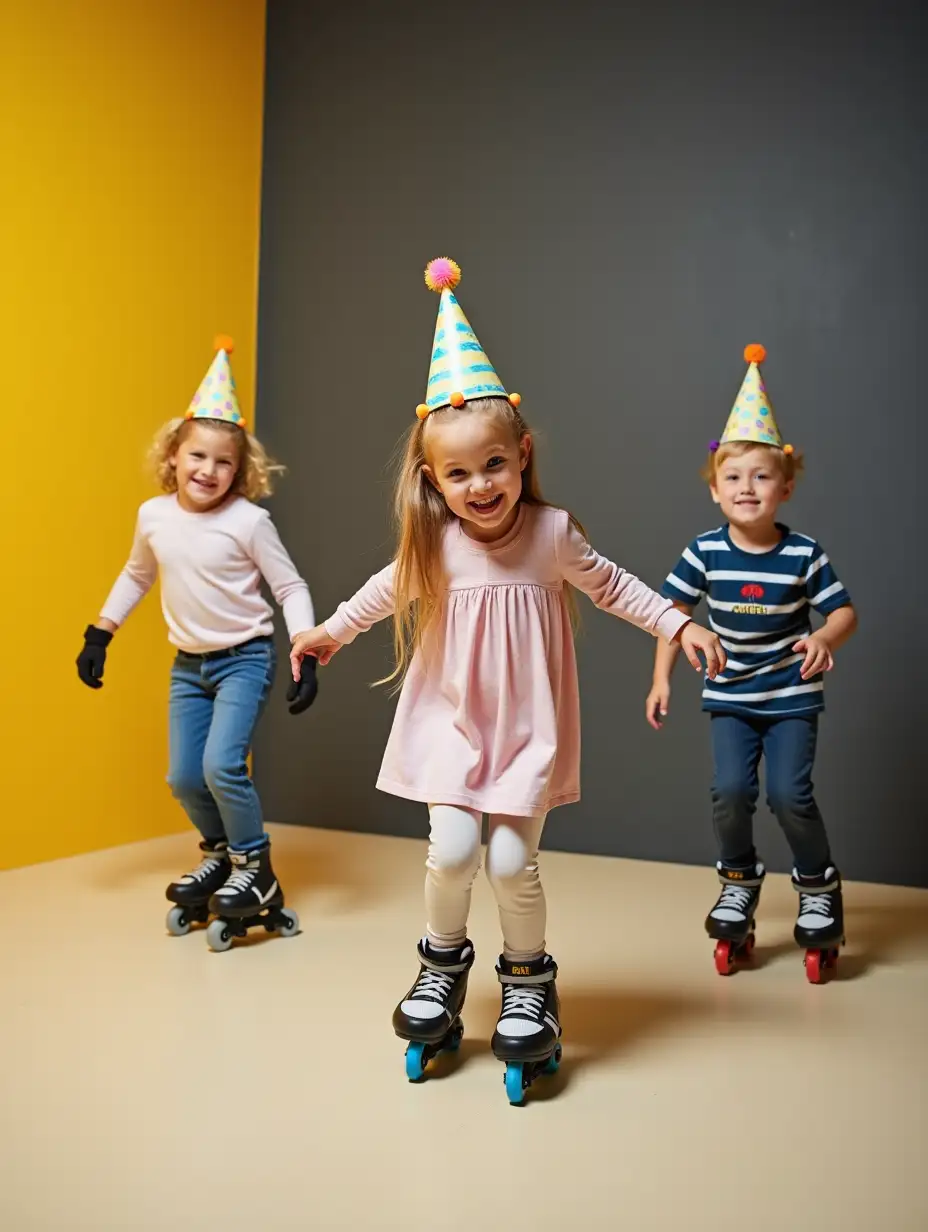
(442, 274)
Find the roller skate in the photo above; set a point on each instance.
(429, 1016)
(820, 922)
(528, 1033)
(250, 898)
(192, 892)
(730, 923)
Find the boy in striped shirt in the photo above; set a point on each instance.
(761, 582)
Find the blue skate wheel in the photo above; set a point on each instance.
(553, 1064)
(415, 1061)
(454, 1039)
(515, 1086)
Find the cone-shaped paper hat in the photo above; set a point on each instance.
(459, 370)
(216, 398)
(751, 417)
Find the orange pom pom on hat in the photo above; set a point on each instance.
(459, 370)
(217, 398)
(751, 419)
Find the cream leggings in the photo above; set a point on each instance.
(512, 871)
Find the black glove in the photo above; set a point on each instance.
(302, 694)
(91, 660)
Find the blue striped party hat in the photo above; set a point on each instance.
(460, 369)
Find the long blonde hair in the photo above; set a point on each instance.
(421, 516)
(256, 471)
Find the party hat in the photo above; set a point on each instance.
(751, 417)
(216, 398)
(459, 370)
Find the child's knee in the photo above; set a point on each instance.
(186, 783)
(454, 860)
(734, 790)
(222, 774)
(790, 801)
(508, 861)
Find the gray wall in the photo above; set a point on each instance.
(633, 196)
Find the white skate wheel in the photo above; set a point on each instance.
(219, 936)
(177, 923)
(289, 922)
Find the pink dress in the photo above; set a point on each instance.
(489, 714)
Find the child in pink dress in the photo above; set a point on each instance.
(488, 719)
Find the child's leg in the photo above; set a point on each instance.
(512, 870)
(737, 744)
(429, 1014)
(190, 714)
(789, 749)
(529, 1027)
(451, 866)
(242, 682)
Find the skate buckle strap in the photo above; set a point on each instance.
(543, 977)
(735, 877)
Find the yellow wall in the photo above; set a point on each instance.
(130, 147)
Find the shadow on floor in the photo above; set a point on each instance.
(312, 862)
(602, 1023)
(879, 935)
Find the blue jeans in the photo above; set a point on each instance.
(216, 701)
(788, 745)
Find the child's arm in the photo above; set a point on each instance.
(614, 590)
(374, 601)
(290, 591)
(819, 647)
(830, 599)
(130, 588)
(665, 656)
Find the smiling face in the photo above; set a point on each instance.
(206, 463)
(476, 463)
(749, 485)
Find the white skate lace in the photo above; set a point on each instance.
(815, 904)
(241, 879)
(432, 986)
(202, 870)
(737, 898)
(521, 1000)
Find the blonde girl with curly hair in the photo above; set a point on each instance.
(212, 543)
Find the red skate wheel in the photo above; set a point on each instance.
(724, 958)
(749, 945)
(814, 972)
(831, 959)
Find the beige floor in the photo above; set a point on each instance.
(149, 1084)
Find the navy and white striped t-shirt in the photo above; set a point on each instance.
(759, 605)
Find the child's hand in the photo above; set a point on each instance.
(655, 708)
(818, 655)
(301, 694)
(315, 642)
(694, 639)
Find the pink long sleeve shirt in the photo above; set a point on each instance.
(489, 714)
(211, 565)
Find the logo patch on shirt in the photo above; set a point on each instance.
(752, 591)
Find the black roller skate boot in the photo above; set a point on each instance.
(193, 891)
(730, 923)
(250, 898)
(820, 922)
(528, 1033)
(429, 1016)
